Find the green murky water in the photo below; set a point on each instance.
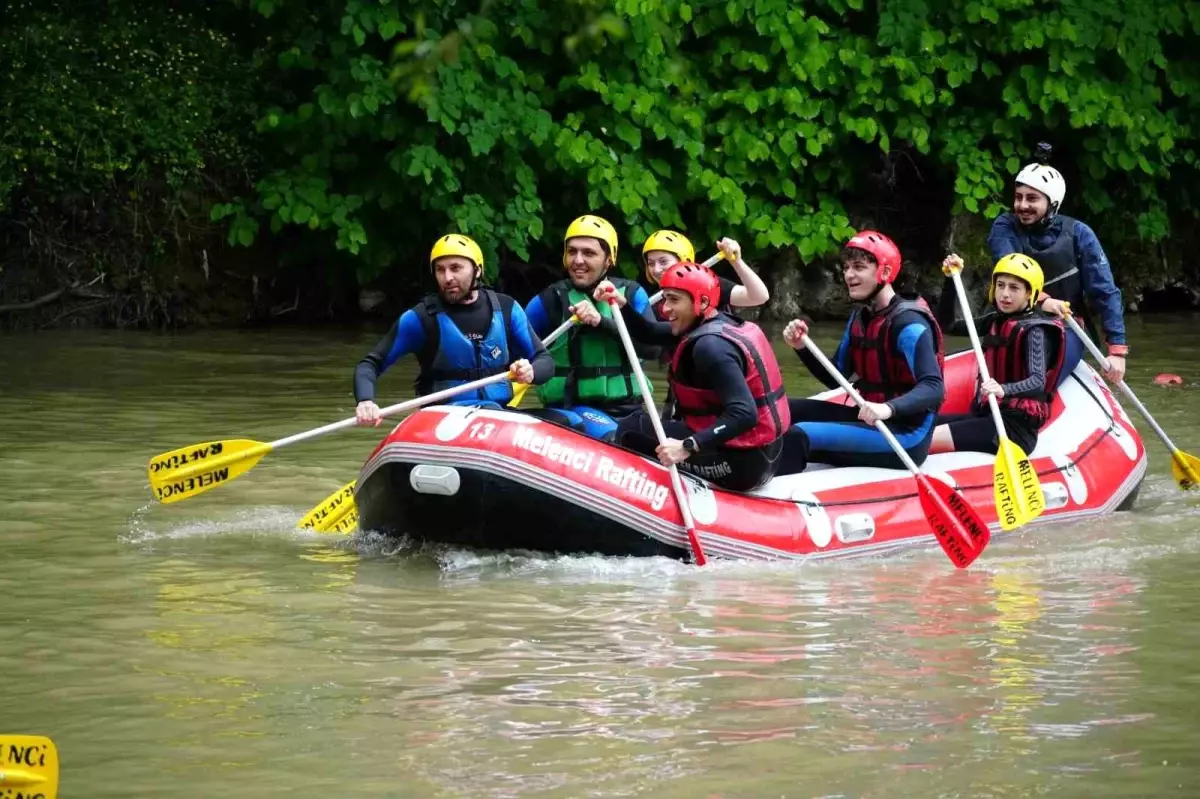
(207, 649)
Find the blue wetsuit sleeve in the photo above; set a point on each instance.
(530, 347)
(1003, 240)
(1098, 284)
(840, 357)
(718, 364)
(640, 302)
(406, 336)
(915, 343)
(535, 312)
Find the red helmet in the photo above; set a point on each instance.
(698, 281)
(882, 249)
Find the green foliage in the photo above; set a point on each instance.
(381, 124)
(760, 118)
(94, 92)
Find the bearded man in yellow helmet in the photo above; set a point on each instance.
(462, 333)
(1024, 349)
(593, 383)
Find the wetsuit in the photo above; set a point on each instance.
(828, 432)
(714, 364)
(476, 322)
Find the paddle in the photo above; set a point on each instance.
(28, 767)
(189, 471)
(676, 483)
(519, 390)
(1019, 498)
(956, 525)
(1185, 468)
(337, 513)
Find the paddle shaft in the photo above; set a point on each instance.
(391, 410)
(977, 348)
(1126, 390)
(854, 395)
(648, 400)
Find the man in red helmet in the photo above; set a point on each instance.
(727, 385)
(894, 347)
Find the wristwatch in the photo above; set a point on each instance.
(690, 444)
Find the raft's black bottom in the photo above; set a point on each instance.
(492, 513)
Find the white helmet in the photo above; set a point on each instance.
(1049, 181)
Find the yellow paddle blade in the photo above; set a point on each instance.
(518, 395)
(28, 767)
(330, 516)
(1019, 498)
(183, 473)
(1185, 469)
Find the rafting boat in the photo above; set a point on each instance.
(502, 480)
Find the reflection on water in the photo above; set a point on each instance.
(210, 649)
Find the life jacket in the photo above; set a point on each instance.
(700, 407)
(1059, 261)
(450, 359)
(1004, 351)
(590, 367)
(883, 374)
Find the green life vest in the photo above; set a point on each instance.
(590, 363)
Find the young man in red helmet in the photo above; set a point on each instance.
(727, 385)
(894, 347)
(462, 333)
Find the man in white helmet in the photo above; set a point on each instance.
(1076, 268)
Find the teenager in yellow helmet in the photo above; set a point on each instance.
(593, 383)
(462, 333)
(1024, 349)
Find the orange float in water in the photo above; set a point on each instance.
(1167, 379)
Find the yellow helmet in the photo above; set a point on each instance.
(457, 244)
(668, 241)
(1021, 266)
(595, 228)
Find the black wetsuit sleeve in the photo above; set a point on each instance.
(645, 330)
(406, 336)
(1035, 360)
(718, 364)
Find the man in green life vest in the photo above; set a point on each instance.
(593, 383)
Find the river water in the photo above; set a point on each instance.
(208, 649)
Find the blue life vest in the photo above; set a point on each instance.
(450, 358)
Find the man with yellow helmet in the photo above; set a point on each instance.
(1024, 349)
(462, 333)
(593, 382)
(665, 248)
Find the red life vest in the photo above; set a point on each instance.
(1004, 352)
(883, 374)
(699, 407)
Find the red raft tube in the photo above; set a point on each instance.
(501, 480)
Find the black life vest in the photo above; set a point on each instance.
(1059, 261)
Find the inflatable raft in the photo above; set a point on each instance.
(500, 480)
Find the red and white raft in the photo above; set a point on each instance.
(502, 480)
